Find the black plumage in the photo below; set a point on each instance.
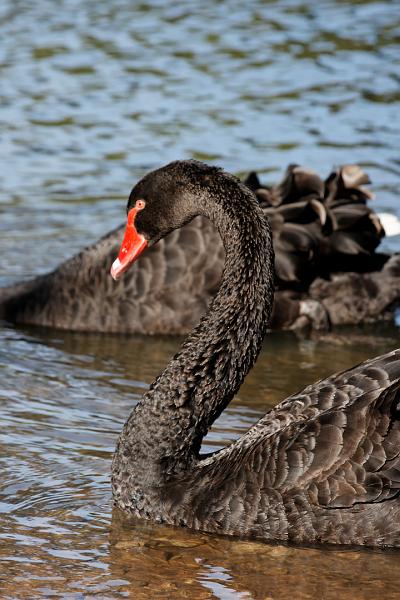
(320, 229)
(322, 466)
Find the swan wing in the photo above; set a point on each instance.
(345, 455)
(338, 440)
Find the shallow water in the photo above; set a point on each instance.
(92, 95)
(64, 398)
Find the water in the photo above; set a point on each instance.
(64, 398)
(92, 95)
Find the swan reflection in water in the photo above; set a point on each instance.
(150, 559)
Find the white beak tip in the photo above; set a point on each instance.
(116, 269)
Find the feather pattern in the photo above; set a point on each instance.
(320, 228)
(322, 466)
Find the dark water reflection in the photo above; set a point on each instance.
(64, 398)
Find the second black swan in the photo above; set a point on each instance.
(321, 467)
(328, 272)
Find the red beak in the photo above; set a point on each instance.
(132, 247)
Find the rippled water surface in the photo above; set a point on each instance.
(64, 398)
(92, 95)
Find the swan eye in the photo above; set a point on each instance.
(140, 204)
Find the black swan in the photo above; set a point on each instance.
(321, 231)
(321, 467)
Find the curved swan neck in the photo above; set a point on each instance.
(163, 435)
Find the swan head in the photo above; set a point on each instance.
(164, 200)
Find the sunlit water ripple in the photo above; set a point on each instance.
(92, 95)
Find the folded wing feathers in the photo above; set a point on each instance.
(338, 440)
(318, 222)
